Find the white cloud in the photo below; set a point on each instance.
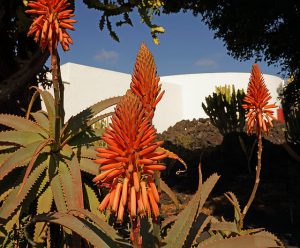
(206, 62)
(107, 56)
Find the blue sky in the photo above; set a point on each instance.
(187, 46)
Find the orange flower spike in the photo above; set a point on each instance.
(116, 200)
(104, 202)
(132, 202)
(131, 146)
(144, 194)
(154, 190)
(53, 18)
(145, 80)
(256, 102)
(153, 203)
(120, 213)
(124, 191)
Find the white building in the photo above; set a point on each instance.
(182, 100)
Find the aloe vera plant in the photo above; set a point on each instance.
(42, 158)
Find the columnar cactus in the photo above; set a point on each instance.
(224, 109)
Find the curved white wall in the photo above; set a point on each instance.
(182, 100)
(195, 87)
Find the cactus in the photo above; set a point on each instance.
(224, 109)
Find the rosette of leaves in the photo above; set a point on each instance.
(43, 179)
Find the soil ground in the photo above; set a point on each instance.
(277, 203)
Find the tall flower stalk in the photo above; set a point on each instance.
(131, 158)
(49, 27)
(259, 118)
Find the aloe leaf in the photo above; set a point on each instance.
(201, 229)
(85, 137)
(108, 230)
(50, 106)
(11, 181)
(41, 117)
(224, 226)
(87, 165)
(85, 152)
(85, 126)
(181, 228)
(164, 187)
(79, 121)
(259, 240)
(67, 184)
(75, 175)
(207, 187)
(34, 157)
(14, 220)
(19, 158)
(79, 226)
(21, 124)
(55, 184)
(91, 201)
(43, 206)
(14, 199)
(20, 137)
(237, 210)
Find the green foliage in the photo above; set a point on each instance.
(146, 9)
(224, 109)
(51, 179)
(291, 107)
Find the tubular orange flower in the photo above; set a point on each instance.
(145, 80)
(260, 115)
(128, 159)
(49, 27)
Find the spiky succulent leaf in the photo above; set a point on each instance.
(41, 117)
(238, 218)
(164, 187)
(91, 201)
(19, 158)
(21, 124)
(15, 198)
(224, 226)
(37, 153)
(43, 206)
(180, 230)
(87, 165)
(101, 225)
(77, 225)
(79, 122)
(11, 181)
(85, 137)
(22, 138)
(75, 173)
(259, 240)
(50, 106)
(85, 152)
(204, 224)
(55, 184)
